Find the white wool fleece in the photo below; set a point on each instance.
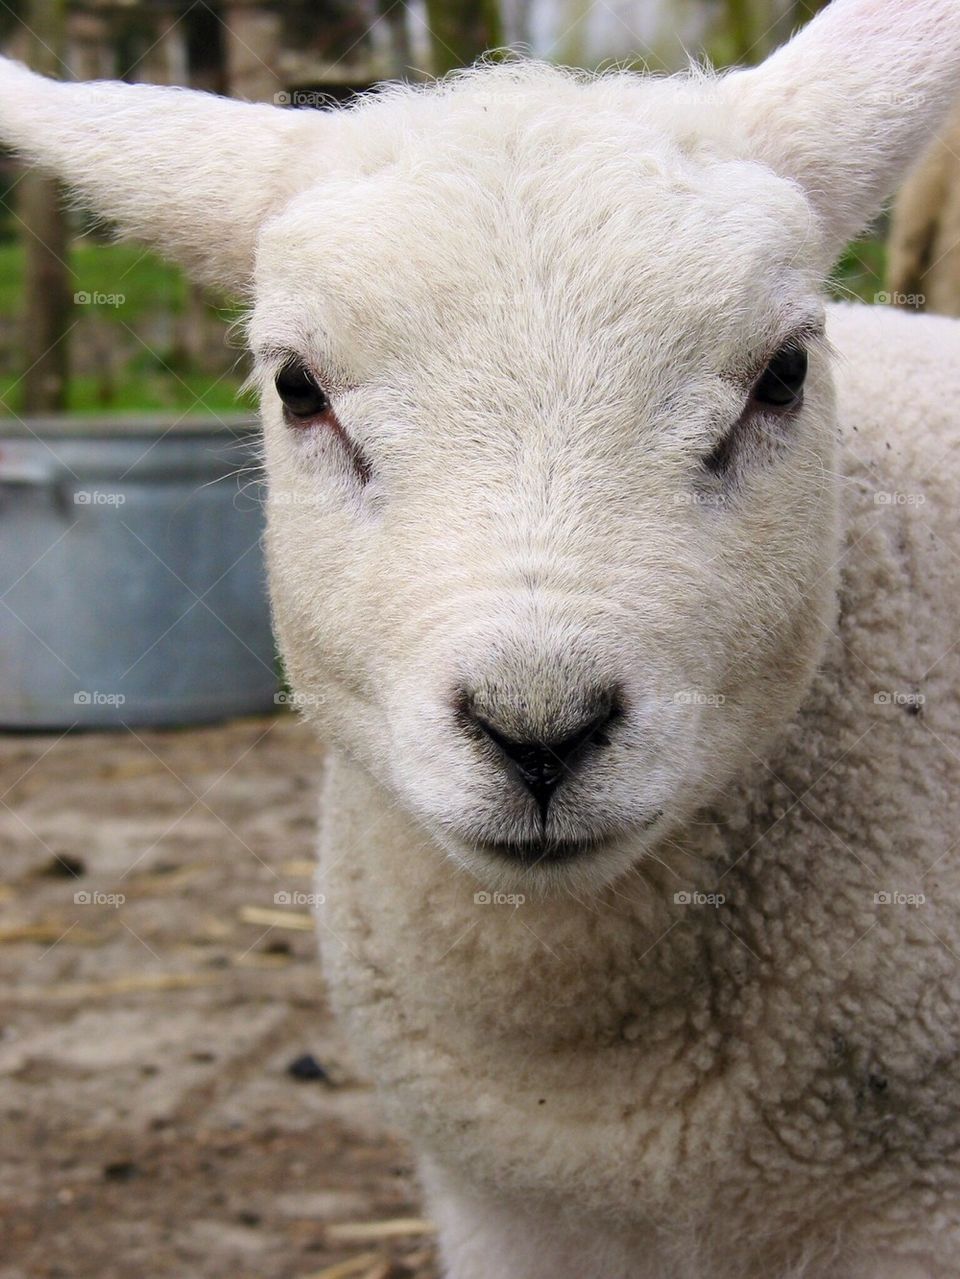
(619, 573)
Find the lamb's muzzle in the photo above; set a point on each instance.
(542, 741)
(541, 761)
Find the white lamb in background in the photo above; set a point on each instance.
(607, 606)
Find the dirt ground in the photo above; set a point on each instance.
(157, 981)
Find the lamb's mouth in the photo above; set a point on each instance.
(546, 852)
(554, 852)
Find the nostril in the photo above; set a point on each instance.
(543, 761)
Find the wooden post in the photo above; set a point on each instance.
(253, 37)
(743, 33)
(46, 278)
(460, 30)
(747, 34)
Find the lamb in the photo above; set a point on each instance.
(619, 572)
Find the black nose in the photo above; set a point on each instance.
(542, 763)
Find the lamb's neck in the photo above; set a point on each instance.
(404, 923)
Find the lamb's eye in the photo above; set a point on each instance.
(302, 397)
(780, 385)
(778, 390)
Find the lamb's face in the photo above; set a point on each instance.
(551, 506)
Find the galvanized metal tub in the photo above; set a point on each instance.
(132, 585)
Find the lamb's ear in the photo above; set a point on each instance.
(847, 105)
(191, 173)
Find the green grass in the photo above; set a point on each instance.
(861, 272)
(144, 280)
(134, 392)
(127, 289)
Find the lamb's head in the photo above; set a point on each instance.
(551, 512)
(548, 409)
